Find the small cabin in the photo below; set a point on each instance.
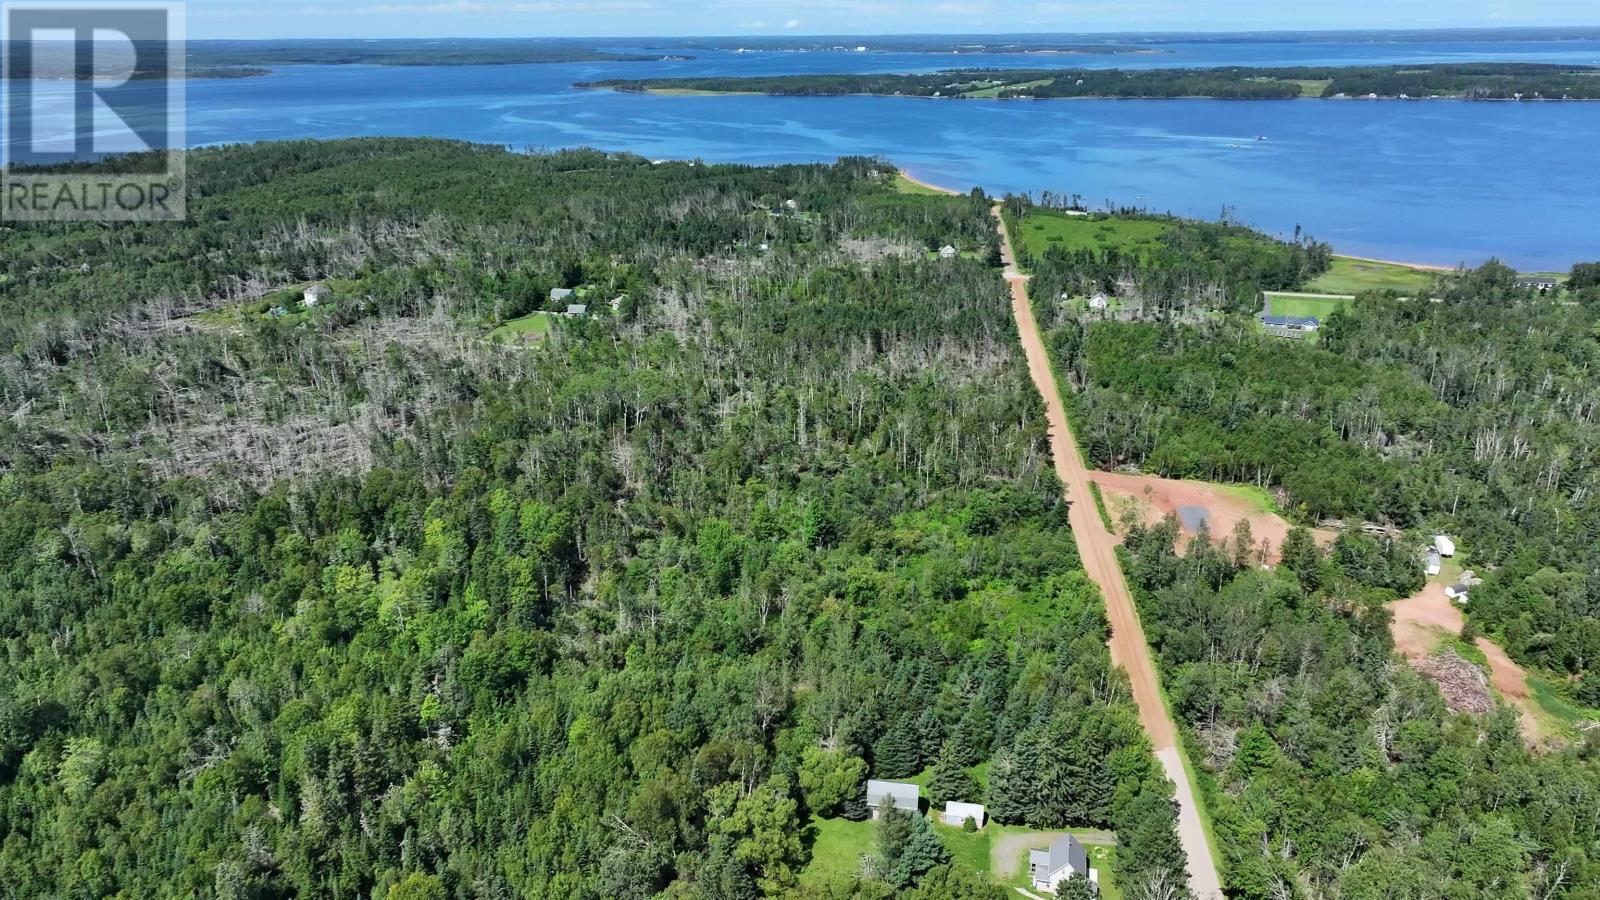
(948, 252)
(314, 295)
(1099, 302)
(1434, 564)
(1444, 545)
(1457, 592)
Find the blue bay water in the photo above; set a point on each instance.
(1439, 182)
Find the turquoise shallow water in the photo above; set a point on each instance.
(1439, 182)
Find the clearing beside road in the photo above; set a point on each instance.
(1219, 506)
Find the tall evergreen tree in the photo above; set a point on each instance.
(949, 779)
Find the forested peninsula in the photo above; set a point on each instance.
(1475, 81)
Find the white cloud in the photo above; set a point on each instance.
(792, 23)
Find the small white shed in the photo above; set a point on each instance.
(957, 813)
(1457, 592)
(948, 252)
(1444, 545)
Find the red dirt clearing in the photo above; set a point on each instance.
(1153, 499)
(1422, 621)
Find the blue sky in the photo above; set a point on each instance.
(558, 18)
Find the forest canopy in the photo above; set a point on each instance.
(344, 600)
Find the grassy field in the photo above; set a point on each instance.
(1043, 230)
(1259, 498)
(1352, 276)
(1322, 306)
(994, 90)
(837, 849)
(535, 324)
(839, 844)
(906, 186)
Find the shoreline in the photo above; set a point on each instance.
(1424, 267)
(939, 188)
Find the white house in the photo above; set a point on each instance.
(956, 813)
(1065, 858)
(314, 295)
(1444, 545)
(1457, 592)
(948, 252)
(1099, 302)
(897, 794)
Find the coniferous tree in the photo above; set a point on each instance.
(949, 779)
(896, 754)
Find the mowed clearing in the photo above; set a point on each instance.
(1354, 274)
(1221, 507)
(1043, 230)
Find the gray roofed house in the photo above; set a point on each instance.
(1065, 858)
(896, 793)
(560, 293)
(1290, 326)
(577, 309)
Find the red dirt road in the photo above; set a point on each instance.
(1097, 547)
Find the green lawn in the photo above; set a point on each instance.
(535, 324)
(838, 845)
(837, 848)
(1259, 498)
(1352, 276)
(1280, 304)
(906, 186)
(1044, 229)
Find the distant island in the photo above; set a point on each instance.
(248, 59)
(930, 44)
(407, 53)
(1468, 81)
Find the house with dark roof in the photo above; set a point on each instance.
(897, 794)
(559, 294)
(1290, 326)
(1064, 859)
